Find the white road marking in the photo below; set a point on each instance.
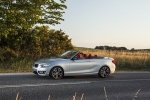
(67, 83)
(130, 72)
(129, 80)
(5, 74)
(38, 85)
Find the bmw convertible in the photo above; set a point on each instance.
(74, 63)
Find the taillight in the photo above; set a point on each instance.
(113, 61)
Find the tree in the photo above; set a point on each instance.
(18, 17)
(110, 48)
(132, 49)
(48, 42)
(21, 15)
(31, 12)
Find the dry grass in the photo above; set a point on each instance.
(136, 94)
(125, 60)
(74, 97)
(105, 94)
(17, 97)
(82, 96)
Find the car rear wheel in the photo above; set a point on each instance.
(56, 73)
(104, 72)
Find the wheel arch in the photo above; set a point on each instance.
(104, 66)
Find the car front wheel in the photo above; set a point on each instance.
(104, 72)
(56, 73)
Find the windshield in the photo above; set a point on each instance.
(68, 54)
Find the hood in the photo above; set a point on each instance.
(48, 60)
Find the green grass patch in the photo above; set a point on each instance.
(16, 66)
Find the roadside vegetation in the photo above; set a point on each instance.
(131, 60)
(46, 43)
(124, 60)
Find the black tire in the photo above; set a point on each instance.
(104, 72)
(57, 73)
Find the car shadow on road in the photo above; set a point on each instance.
(73, 77)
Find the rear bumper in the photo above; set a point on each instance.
(113, 68)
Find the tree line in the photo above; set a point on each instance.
(110, 48)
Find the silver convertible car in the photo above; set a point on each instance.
(73, 63)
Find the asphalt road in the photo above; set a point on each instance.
(119, 86)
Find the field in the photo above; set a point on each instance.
(124, 60)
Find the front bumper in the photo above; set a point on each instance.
(40, 71)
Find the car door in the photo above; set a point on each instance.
(80, 67)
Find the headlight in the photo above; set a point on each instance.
(44, 65)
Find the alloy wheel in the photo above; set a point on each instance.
(57, 73)
(104, 72)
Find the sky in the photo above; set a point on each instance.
(120, 23)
